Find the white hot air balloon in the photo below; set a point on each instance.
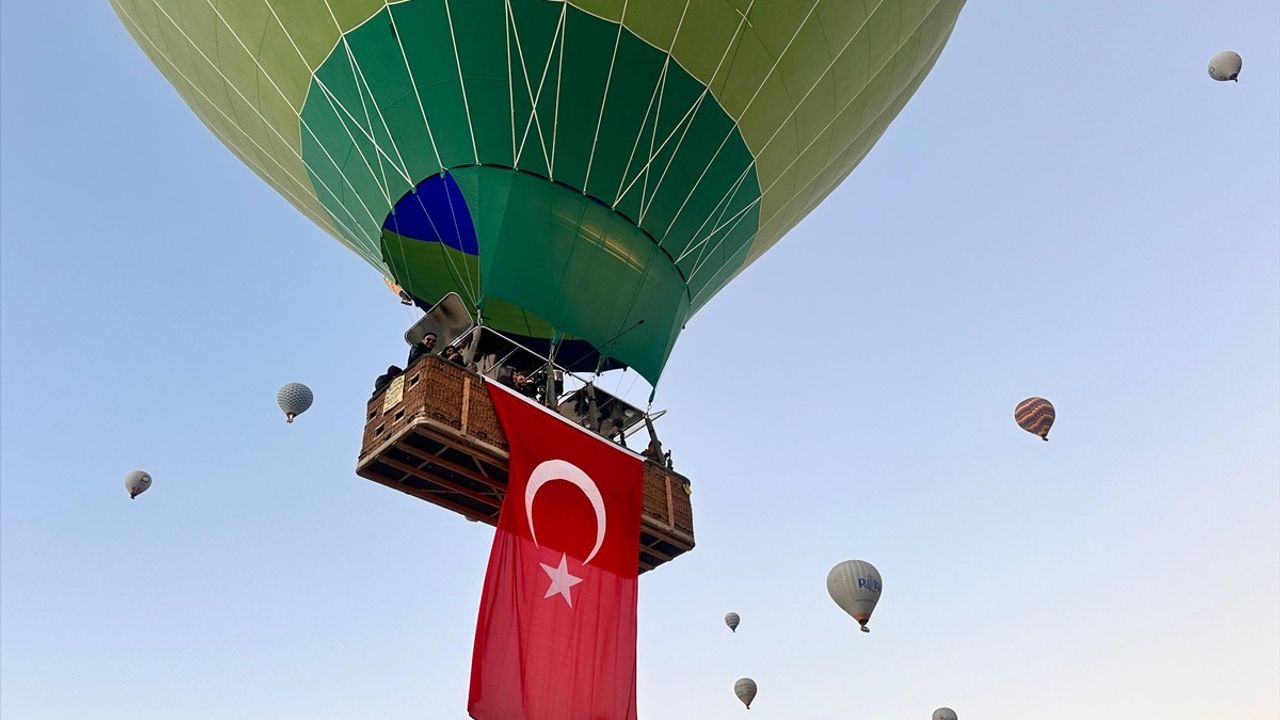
(745, 689)
(294, 399)
(137, 483)
(855, 586)
(1225, 66)
(732, 621)
(945, 713)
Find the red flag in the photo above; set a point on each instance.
(556, 638)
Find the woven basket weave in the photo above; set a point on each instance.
(457, 399)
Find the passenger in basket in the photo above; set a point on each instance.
(507, 376)
(503, 376)
(524, 385)
(427, 346)
(385, 379)
(454, 355)
(653, 453)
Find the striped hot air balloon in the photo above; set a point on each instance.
(732, 620)
(1225, 66)
(745, 689)
(1035, 415)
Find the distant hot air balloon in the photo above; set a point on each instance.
(137, 483)
(944, 713)
(1035, 415)
(1225, 66)
(294, 399)
(855, 586)
(745, 689)
(732, 621)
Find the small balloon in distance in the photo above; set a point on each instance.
(732, 621)
(855, 586)
(294, 399)
(745, 689)
(1036, 416)
(137, 482)
(1226, 66)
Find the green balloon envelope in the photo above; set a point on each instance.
(594, 169)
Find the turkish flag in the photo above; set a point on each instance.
(556, 638)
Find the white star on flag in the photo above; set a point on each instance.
(561, 580)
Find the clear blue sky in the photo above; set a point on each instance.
(1069, 207)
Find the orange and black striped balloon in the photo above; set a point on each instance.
(1035, 415)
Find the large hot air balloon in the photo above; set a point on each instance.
(1036, 416)
(855, 586)
(137, 482)
(745, 689)
(592, 171)
(944, 713)
(1225, 66)
(294, 399)
(732, 620)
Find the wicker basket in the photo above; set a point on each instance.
(452, 406)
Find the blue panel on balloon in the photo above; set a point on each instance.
(435, 211)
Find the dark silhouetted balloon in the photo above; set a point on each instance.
(732, 621)
(745, 689)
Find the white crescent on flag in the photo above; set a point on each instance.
(550, 470)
